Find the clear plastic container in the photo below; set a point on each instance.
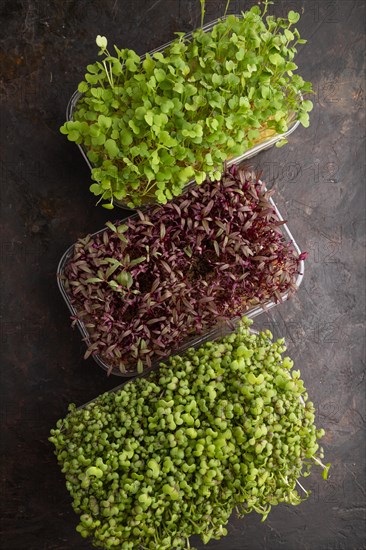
(194, 340)
(265, 143)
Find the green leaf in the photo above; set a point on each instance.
(200, 177)
(126, 137)
(178, 87)
(104, 121)
(93, 69)
(276, 59)
(149, 117)
(83, 87)
(208, 159)
(190, 107)
(326, 471)
(188, 251)
(149, 173)
(161, 196)
(91, 78)
(307, 105)
(240, 54)
(289, 35)
(94, 130)
(133, 55)
(122, 228)
(108, 206)
(98, 140)
(140, 112)
(167, 106)
(101, 42)
(293, 16)
(111, 226)
(185, 174)
(265, 91)
(96, 92)
(217, 79)
(90, 115)
(166, 139)
(281, 143)
(111, 148)
(280, 115)
(233, 102)
(251, 378)
(160, 75)
(159, 56)
(106, 184)
(148, 64)
(155, 159)
(304, 119)
(114, 285)
(131, 65)
(137, 261)
(73, 135)
(160, 119)
(253, 134)
(112, 269)
(94, 280)
(95, 189)
(164, 175)
(132, 124)
(125, 279)
(230, 65)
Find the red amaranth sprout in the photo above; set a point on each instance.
(145, 285)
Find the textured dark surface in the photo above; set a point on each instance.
(46, 205)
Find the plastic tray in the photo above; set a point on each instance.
(194, 340)
(265, 144)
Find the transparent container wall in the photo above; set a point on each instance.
(264, 143)
(194, 340)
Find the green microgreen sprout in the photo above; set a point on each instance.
(172, 455)
(150, 125)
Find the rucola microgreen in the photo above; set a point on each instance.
(151, 125)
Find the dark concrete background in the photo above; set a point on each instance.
(46, 205)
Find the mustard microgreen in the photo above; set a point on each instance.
(225, 426)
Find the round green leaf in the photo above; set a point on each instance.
(293, 16)
(101, 42)
(83, 87)
(240, 54)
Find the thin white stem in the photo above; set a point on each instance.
(319, 462)
(227, 7)
(305, 491)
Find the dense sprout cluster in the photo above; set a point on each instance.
(144, 286)
(149, 126)
(165, 457)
